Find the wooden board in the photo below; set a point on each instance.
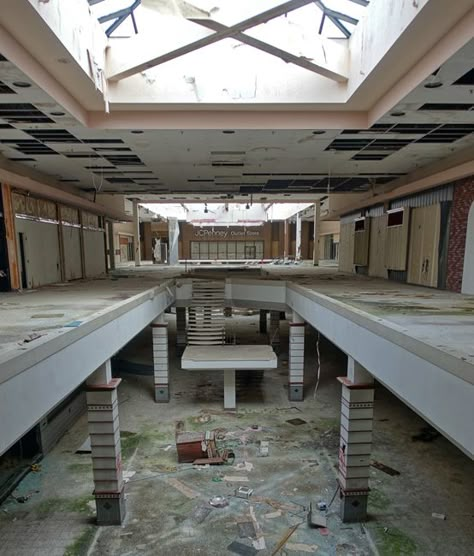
(424, 246)
(377, 247)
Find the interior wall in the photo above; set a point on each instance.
(94, 253)
(41, 251)
(377, 247)
(71, 237)
(346, 246)
(463, 198)
(468, 269)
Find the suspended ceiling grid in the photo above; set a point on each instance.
(430, 124)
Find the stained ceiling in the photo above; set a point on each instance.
(432, 122)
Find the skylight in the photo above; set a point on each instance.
(329, 18)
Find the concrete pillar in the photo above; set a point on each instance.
(110, 233)
(136, 232)
(274, 332)
(296, 362)
(356, 441)
(298, 237)
(159, 330)
(229, 389)
(173, 236)
(104, 431)
(180, 328)
(286, 239)
(317, 227)
(263, 321)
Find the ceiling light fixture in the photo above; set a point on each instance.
(21, 84)
(433, 84)
(318, 132)
(397, 114)
(228, 131)
(137, 131)
(58, 114)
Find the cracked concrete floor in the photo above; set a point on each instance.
(168, 508)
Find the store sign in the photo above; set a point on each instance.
(228, 233)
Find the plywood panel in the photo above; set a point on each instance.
(41, 244)
(94, 253)
(72, 252)
(378, 230)
(361, 244)
(396, 244)
(346, 247)
(424, 245)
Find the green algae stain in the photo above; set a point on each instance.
(394, 542)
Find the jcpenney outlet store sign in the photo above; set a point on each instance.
(227, 233)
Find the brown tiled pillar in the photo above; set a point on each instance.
(160, 359)
(296, 362)
(274, 332)
(356, 442)
(104, 430)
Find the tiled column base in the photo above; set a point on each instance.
(263, 321)
(180, 328)
(296, 363)
(160, 361)
(355, 449)
(102, 414)
(274, 332)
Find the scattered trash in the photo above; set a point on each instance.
(235, 479)
(205, 418)
(385, 468)
(244, 466)
(427, 434)
(246, 530)
(168, 447)
(52, 316)
(241, 549)
(316, 519)
(273, 515)
(255, 427)
(127, 475)
(263, 451)
(301, 547)
(200, 513)
(259, 543)
(218, 502)
(35, 468)
(297, 421)
(322, 506)
(178, 485)
(438, 516)
(324, 531)
(30, 338)
(243, 492)
(73, 324)
(284, 539)
(217, 479)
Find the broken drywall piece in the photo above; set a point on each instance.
(178, 485)
(301, 547)
(235, 479)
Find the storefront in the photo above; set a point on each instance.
(226, 243)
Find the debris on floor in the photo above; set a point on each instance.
(427, 434)
(30, 338)
(438, 516)
(178, 485)
(385, 468)
(301, 547)
(263, 451)
(218, 502)
(243, 492)
(242, 549)
(297, 421)
(316, 518)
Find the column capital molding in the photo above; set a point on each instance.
(355, 386)
(112, 385)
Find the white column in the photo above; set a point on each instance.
(356, 441)
(104, 431)
(173, 235)
(296, 362)
(317, 226)
(229, 389)
(136, 232)
(298, 236)
(160, 359)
